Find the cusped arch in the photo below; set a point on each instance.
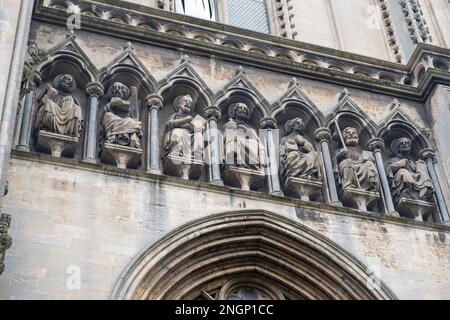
(68, 57)
(128, 68)
(296, 103)
(185, 80)
(240, 89)
(398, 124)
(258, 247)
(347, 113)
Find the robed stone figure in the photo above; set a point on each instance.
(119, 125)
(355, 170)
(297, 155)
(408, 178)
(181, 129)
(60, 112)
(242, 145)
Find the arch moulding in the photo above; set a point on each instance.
(276, 255)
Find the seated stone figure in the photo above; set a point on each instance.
(408, 178)
(355, 171)
(297, 155)
(243, 148)
(118, 125)
(60, 112)
(179, 135)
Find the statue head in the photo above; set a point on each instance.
(239, 111)
(296, 125)
(65, 83)
(119, 90)
(401, 147)
(350, 136)
(183, 104)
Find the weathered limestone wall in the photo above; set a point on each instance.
(10, 11)
(437, 14)
(98, 219)
(348, 25)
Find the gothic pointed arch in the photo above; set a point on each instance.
(67, 57)
(296, 103)
(127, 67)
(399, 124)
(221, 255)
(185, 80)
(347, 113)
(240, 89)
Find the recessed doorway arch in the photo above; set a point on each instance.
(247, 255)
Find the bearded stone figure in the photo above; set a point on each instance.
(60, 112)
(119, 126)
(355, 171)
(297, 155)
(243, 148)
(408, 178)
(180, 129)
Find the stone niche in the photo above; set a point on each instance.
(122, 112)
(357, 176)
(59, 113)
(300, 166)
(183, 133)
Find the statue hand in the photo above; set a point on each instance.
(68, 99)
(300, 140)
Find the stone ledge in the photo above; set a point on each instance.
(198, 185)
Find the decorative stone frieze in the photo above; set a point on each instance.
(417, 25)
(390, 31)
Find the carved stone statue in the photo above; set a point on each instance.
(60, 112)
(243, 148)
(355, 170)
(408, 178)
(119, 124)
(179, 137)
(297, 155)
(5, 239)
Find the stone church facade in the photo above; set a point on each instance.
(256, 149)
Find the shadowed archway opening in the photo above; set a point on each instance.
(247, 255)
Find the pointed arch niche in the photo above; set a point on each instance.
(184, 80)
(65, 58)
(128, 69)
(247, 253)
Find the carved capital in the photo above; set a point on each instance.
(95, 89)
(268, 123)
(376, 144)
(428, 153)
(322, 134)
(212, 112)
(5, 239)
(154, 101)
